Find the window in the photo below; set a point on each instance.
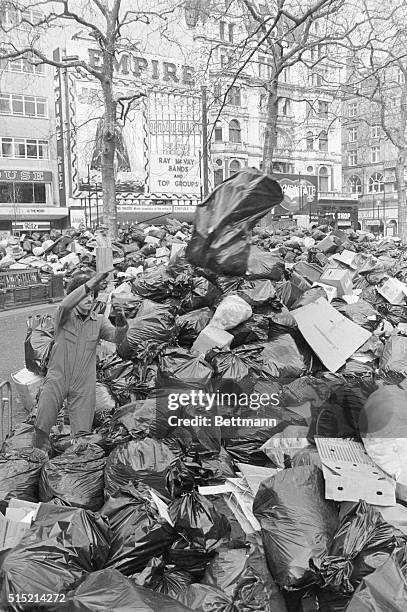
(400, 77)
(7, 147)
(353, 158)
(224, 60)
(264, 67)
(263, 102)
(218, 177)
(16, 17)
(323, 109)
(234, 167)
(375, 154)
(309, 109)
(374, 131)
(354, 184)
(353, 134)
(27, 193)
(310, 141)
(234, 96)
(230, 32)
(376, 183)
(29, 106)
(27, 64)
(323, 176)
(235, 131)
(222, 30)
(218, 132)
(285, 75)
(286, 107)
(323, 141)
(217, 92)
(24, 148)
(352, 109)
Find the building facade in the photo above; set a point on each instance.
(29, 195)
(368, 157)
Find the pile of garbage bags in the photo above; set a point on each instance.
(201, 486)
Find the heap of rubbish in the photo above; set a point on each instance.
(248, 448)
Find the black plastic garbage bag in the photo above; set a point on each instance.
(244, 442)
(223, 222)
(242, 575)
(38, 343)
(61, 547)
(138, 531)
(204, 598)
(257, 292)
(198, 522)
(392, 313)
(363, 542)
(136, 461)
(165, 579)
(255, 329)
(20, 473)
(109, 590)
(188, 559)
(105, 404)
(264, 265)
(75, 477)
(310, 296)
(197, 470)
(385, 590)
(235, 370)
(203, 293)
(144, 417)
(362, 313)
(149, 331)
(178, 367)
(190, 325)
(393, 363)
(282, 359)
(154, 285)
(297, 523)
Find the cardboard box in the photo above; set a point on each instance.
(311, 272)
(175, 247)
(151, 240)
(346, 257)
(329, 244)
(162, 252)
(333, 337)
(341, 279)
(394, 291)
(211, 337)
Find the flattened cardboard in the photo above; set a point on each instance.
(333, 337)
(394, 291)
(350, 474)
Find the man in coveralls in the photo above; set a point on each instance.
(72, 365)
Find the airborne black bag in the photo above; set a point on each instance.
(223, 222)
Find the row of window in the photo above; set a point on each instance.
(12, 16)
(375, 132)
(235, 166)
(27, 193)
(226, 27)
(23, 148)
(235, 131)
(27, 106)
(374, 156)
(28, 64)
(375, 184)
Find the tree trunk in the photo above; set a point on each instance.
(108, 155)
(401, 194)
(270, 134)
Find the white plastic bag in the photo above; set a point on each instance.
(232, 311)
(286, 443)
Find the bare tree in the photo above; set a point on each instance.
(378, 78)
(107, 23)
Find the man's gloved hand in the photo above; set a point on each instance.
(120, 317)
(98, 279)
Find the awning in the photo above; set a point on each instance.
(32, 212)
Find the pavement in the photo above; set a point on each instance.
(12, 335)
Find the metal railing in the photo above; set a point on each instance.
(6, 410)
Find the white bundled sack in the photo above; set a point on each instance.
(288, 442)
(232, 311)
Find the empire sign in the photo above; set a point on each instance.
(128, 65)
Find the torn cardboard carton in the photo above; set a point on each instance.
(331, 292)
(350, 474)
(394, 291)
(333, 337)
(341, 279)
